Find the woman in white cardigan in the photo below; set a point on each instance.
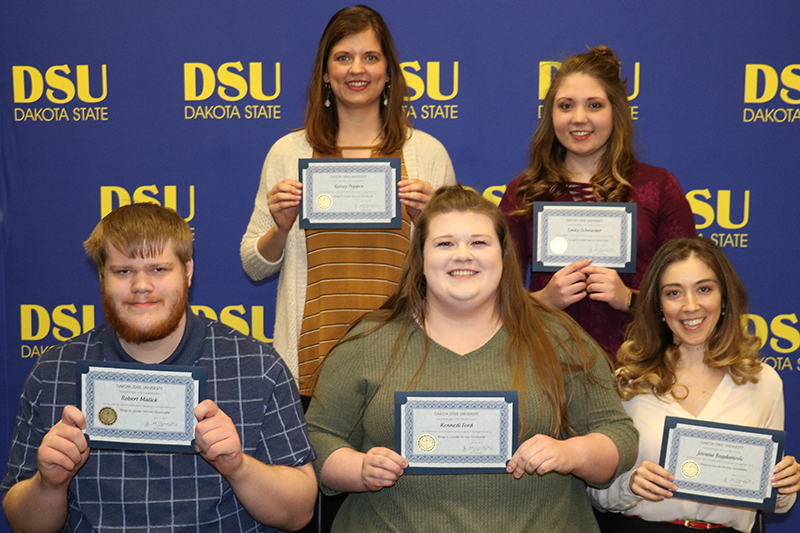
(355, 109)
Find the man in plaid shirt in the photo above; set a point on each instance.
(252, 472)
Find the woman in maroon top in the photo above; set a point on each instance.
(582, 151)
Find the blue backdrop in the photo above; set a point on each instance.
(106, 103)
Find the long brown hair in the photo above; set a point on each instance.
(648, 357)
(531, 325)
(322, 123)
(546, 176)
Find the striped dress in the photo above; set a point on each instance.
(350, 272)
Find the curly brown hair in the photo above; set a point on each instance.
(648, 357)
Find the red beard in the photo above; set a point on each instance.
(131, 333)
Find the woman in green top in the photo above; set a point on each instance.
(462, 320)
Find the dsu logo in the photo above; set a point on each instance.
(236, 316)
(63, 322)
(766, 77)
(112, 197)
(721, 212)
(780, 334)
(548, 68)
(200, 80)
(433, 76)
(62, 84)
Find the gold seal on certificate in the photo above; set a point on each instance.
(558, 245)
(324, 201)
(133, 406)
(426, 443)
(690, 469)
(456, 432)
(107, 416)
(350, 193)
(565, 232)
(721, 463)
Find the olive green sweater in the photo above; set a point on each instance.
(354, 407)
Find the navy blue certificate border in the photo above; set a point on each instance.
(197, 373)
(394, 174)
(778, 438)
(510, 397)
(538, 207)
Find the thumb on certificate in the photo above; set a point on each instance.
(73, 416)
(206, 409)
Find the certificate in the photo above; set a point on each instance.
(565, 232)
(722, 463)
(350, 193)
(133, 406)
(456, 432)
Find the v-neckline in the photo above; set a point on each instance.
(723, 384)
(477, 350)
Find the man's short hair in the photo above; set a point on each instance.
(140, 230)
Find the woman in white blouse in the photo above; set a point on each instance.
(687, 355)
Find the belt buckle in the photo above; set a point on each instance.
(696, 524)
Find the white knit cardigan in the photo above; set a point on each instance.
(425, 158)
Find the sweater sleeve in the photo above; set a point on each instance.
(605, 414)
(428, 160)
(335, 415)
(280, 164)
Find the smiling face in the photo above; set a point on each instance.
(463, 262)
(145, 299)
(691, 301)
(582, 117)
(356, 71)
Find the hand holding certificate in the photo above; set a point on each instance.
(722, 463)
(456, 432)
(565, 232)
(139, 407)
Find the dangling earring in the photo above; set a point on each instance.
(663, 319)
(328, 95)
(386, 93)
(723, 311)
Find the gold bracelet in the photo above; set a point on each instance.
(632, 300)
